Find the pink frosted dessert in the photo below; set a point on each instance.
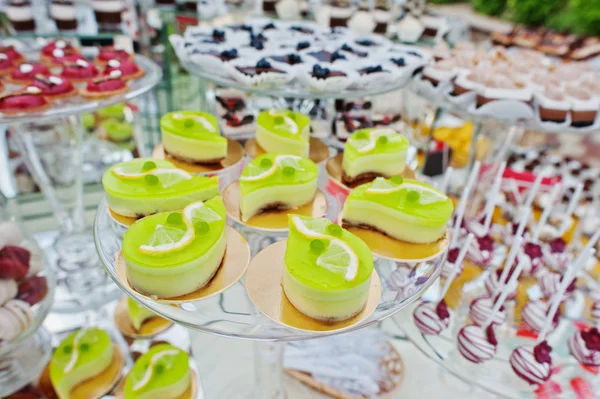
(480, 311)
(431, 318)
(585, 347)
(534, 314)
(534, 365)
(476, 344)
(493, 285)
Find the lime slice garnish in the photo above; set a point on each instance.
(170, 177)
(151, 368)
(197, 212)
(339, 258)
(365, 143)
(312, 228)
(167, 239)
(264, 169)
(383, 186)
(426, 195)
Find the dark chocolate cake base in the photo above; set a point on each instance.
(363, 178)
(209, 162)
(24, 26)
(552, 115)
(381, 28)
(66, 24)
(583, 118)
(113, 18)
(338, 22)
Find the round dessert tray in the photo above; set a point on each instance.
(512, 113)
(78, 104)
(294, 90)
(232, 313)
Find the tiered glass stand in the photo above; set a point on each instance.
(81, 282)
(232, 313)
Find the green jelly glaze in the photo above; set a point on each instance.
(301, 260)
(139, 187)
(118, 131)
(141, 232)
(116, 111)
(270, 120)
(168, 370)
(185, 124)
(428, 207)
(304, 171)
(395, 143)
(91, 345)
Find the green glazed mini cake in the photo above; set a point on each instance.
(146, 186)
(406, 210)
(276, 181)
(175, 253)
(328, 270)
(82, 355)
(193, 137)
(370, 153)
(161, 373)
(138, 314)
(283, 132)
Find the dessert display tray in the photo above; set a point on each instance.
(231, 312)
(78, 104)
(502, 111)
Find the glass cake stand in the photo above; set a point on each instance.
(232, 314)
(56, 134)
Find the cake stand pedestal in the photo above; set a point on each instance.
(51, 142)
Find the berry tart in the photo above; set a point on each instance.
(54, 86)
(13, 55)
(30, 99)
(105, 86)
(261, 73)
(128, 68)
(322, 77)
(47, 51)
(26, 71)
(6, 65)
(108, 53)
(79, 70)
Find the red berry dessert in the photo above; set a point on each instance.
(79, 70)
(108, 53)
(59, 57)
(6, 64)
(30, 99)
(25, 72)
(60, 44)
(54, 86)
(13, 55)
(129, 69)
(105, 86)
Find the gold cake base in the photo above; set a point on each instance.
(190, 393)
(275, 220)
(234, 265)
(234, 155)
(335, 171)
(149, 329)
(94, 388)
(318, 151)
(263, 283)
(384, 246)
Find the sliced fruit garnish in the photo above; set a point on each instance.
(424, 195)
(153, 367)
(165, 176)
(311, 228)
(339, 258)
(384, 186)
(167, 239)
(197, 212)
(190, 119)
(366, 142)
(267, 167)
(74, 351)
(170, 177)
(286, 124)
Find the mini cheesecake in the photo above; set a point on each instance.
(273, 181)
(146, 186)
(128, 68)
(283, 131)
(370, 153)
(328, 270)
(78, 70)
(25, 72)
(105, 86)
(162, 372)
(138, 314)
(54, 86)
(406, 210)
(175, 253)
(82, 355)
(193, 137)
(30, 99)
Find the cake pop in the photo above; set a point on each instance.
(533, 364)
(535, 312)
(555, 256)
(493, 284)
(477, 344)
(480, 311)
(585, 347)
(549, 283)
(596, 311)
(449, 263)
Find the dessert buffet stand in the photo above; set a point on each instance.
(81, 282)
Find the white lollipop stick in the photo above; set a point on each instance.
(462, 205)
(505, 146)
(533, 191)
(513, 279)
(593, 240)
(488, 211)
(546, 212)
(446, 180)
(571, 207)
(512, 255)
(514, 189)
(457, 264)
(562, 288)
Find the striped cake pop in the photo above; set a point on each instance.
(534, 314)
(585, 347)
(533, 364)
(480, 311)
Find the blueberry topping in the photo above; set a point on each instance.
(373, 69)
(263, 64)
(259, 36)
(245, 27)
(319, 72)
(257, 44)
(300, 29)
(336, 55)
(414, 53)
(366, 43)
(229, 54)
(218, 34)
(345, 47)
(399, 61)
(268, 26)
(302, 45)
(294, 59)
